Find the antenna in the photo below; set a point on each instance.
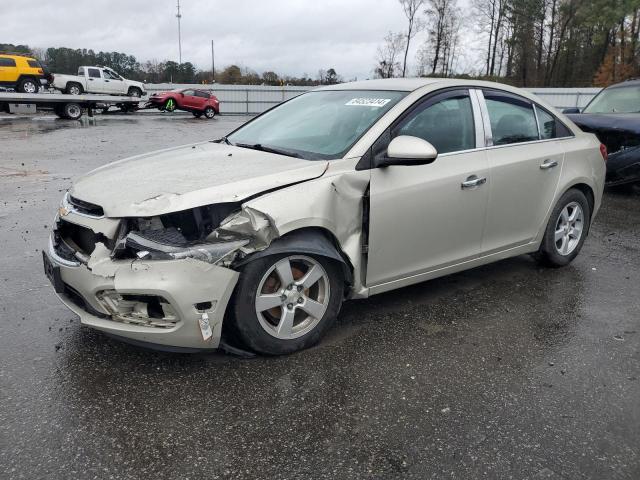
(179, 16)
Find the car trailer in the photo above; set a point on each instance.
(65, 106)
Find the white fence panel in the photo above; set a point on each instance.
(254, 99)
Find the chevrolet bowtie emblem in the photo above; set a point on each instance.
(63, 211)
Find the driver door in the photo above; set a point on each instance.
(428, 217)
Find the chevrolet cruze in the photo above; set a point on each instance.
(341, 193)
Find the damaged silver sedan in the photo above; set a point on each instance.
(343, 192)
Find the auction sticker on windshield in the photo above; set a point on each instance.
(368, 102)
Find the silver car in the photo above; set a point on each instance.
(341, 193)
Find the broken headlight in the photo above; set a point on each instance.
(158, 245)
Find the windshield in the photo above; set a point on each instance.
(616, 100)
(320, 125)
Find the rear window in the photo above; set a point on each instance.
(7, 62)
(81, 72)
(33, 63)
(549, 126)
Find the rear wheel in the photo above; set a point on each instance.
(286, 302)
(70, 111)
(566, 231)
(209, 112)
(135, 92)
(28, 85)
(73, 89)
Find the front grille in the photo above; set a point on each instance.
(77, 237)
(85, 208)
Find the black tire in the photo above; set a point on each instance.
(243, 321)
(73, 88)
(71, 111)
(549, 253)
(134, 92)
(197, 114)
(170, 105)
(209, 112)
(28, 85)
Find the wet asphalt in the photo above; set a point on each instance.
(504, 371)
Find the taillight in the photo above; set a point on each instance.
(603, 152)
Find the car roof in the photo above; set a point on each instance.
(629, 83)
(17, 55)
(397, 84)
(412, 84)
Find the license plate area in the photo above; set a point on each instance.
(53, 274)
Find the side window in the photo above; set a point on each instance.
(33, 63)
(550, 126)
(81, 72)
(94, 73)
(512, 118)
(446, 121)
(188, 93)
(7, 62)
(202, 94)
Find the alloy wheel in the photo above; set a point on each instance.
(292, 297)
(29, 87)
(569, 228)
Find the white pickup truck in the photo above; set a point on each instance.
(97, 80)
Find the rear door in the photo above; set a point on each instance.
(201, 99)
(427, 217)
(8, 70)
(95, 82)
(188, 100)
(525, 159)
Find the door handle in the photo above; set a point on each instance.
(473, 181)
(547, 164)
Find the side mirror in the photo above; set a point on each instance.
(407, 150)
(571, 110)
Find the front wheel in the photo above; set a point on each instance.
(134, 92)
(169, 105)
(197, 114)
(566, 231)
(209, 112)
(286, 302)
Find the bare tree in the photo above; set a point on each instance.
(411, 10)
(388, 53)
(443, 23)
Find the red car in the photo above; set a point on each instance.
(198, 102)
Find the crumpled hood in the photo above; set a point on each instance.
(189, 176)
(607, 121)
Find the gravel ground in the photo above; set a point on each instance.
(505, 371)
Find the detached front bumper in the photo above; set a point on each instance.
(160, 302)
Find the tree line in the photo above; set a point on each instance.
(540, 43)
(67, 60)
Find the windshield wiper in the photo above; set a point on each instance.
(264, 148)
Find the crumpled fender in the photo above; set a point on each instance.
(309, 241)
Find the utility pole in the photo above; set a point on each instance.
(179, 16)
(213, 65)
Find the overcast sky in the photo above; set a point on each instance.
(288, 36)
